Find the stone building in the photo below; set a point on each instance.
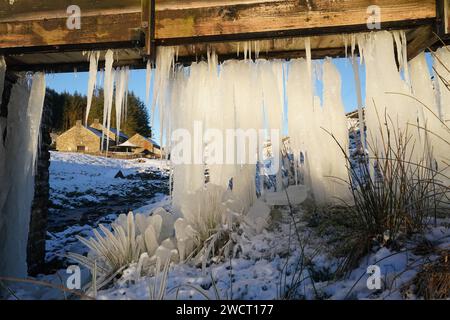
(145, 145)
(81, 139)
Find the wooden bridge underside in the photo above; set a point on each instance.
(34, 35)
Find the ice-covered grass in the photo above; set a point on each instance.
(268, 262)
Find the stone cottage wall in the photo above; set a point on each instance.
(143, 143)
(78, 136)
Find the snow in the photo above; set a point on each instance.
(257, 273)
(268, 245)
(75, 172)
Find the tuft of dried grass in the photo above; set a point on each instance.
(433, 282)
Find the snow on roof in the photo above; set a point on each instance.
(98, 133)
(128, 144)
(155, 144)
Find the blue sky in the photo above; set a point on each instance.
(72, 82)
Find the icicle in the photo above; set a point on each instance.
(237, 51)
(359, 101)
(121, 89)
(334, 166)
(257, 49)
(148, 81)
(308, 55)
(21, 149)
(2, 76)
(93, 57)
(345, 39)
(353, 45)
(441, 63)
(382, 79)
(108, 99)
(405, 58)
(164, 65)
(245, 50)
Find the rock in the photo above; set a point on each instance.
(119, 175)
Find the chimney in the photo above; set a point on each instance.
(78, 124)
(96, 121)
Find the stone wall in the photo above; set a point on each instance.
(39, 210)
(142, 143)
(78, 136)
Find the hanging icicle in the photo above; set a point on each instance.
(2, 75)
(20, 152)
(108, 99)
(148, 78)
(93, 57)
(362, 134)
(120, 97)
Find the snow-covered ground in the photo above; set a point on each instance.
(84, 192)
(81, 179)
(274, 260)
(265, 266)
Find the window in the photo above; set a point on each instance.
(81, 148)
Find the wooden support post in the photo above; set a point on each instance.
(148, 24)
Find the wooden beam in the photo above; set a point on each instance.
(30, 26)
(184, 23)
(421, 39)
(32, 9)
(281, 18)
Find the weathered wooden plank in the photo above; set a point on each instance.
(282, 16)
(176, 24)
(29, 9)
(96, 29)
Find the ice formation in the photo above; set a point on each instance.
(200, 104)
(310, 128)
(2, 74)
(439, 122)
(108, 101)
(383, 78)
(121, 96)
(17, 166)
(93, 57)
(359, 99)
(115, 90)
